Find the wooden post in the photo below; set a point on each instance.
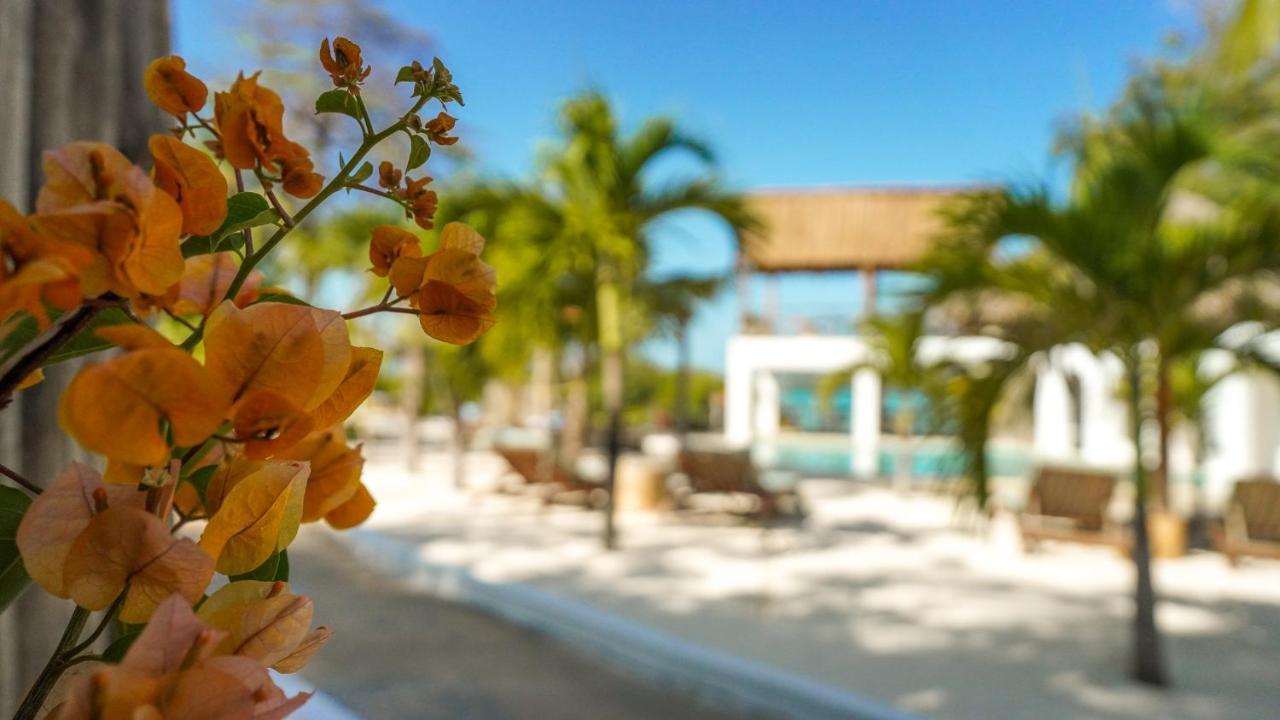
(869, 295)
(770, 310)
(69, 70)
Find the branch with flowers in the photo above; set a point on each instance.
(221, 423)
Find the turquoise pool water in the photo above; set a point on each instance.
(929, 458)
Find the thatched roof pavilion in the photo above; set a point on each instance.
(861, 228)
(865, 229)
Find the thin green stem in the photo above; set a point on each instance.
(179, 319)
(337, 183)
(14, 476)
(275, 203)
(248, 234)
(377, 309)
(193, 454)
(81, 659)
(366, 124)
(373, 191)
(58, 662)
(107, 617)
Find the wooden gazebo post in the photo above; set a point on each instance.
(869, 291)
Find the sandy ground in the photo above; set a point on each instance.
(399, 655)
(879, 593)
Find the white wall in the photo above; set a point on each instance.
(1242, 412)
(752, 396)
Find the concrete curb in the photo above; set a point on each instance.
(745, 686)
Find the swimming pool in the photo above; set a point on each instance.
(929, 457)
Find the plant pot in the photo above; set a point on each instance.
(1168, 533)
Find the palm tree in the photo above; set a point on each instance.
(894, 357)
(1138, 261)
(597, 184)
(670, 304)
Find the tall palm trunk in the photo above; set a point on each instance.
(411, 403)
(1148, 657)
(903, 424)
(458, 448)
(576, 406)
(611, 379)
(1164, 406)
(681, 410)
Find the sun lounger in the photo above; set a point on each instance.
(722, 472)
(1251, 523)
(1070, 505)
(559, 480)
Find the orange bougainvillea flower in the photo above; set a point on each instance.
(297, 352)
(251, 118)
(335, 472)
(205, 282)
(128, 546)
(356, 386)
(452, 289)
(450, 316)
(114, 408)
(344, 64)
(86, 541)
(388, 175)
(390, 243)
(174, 670)
(299, 177)
(231, 469)
(353, 512)
(95, 197)
(438, 129)
(172, 88)
(422, 202)
(258, 516)
(58, 515)
(266, 622)
(190, 177)
(35, 378)
(36, 269)
(267, 423)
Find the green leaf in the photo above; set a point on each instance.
(282, 570)
(22, 330)
(280, 298)
(118, 647)
(444, 90)
(13, 575)
(362, 174)
(273, 568)
(419, 151)
(244, 210)
(85, 342)
(405, 74)
(338, 101)
(200, 480)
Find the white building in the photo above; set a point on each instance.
(1077, 415)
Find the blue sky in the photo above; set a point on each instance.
(788, 93)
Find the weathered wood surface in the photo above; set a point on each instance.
(69, 70)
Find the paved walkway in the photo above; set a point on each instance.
(397, 655)
(879, 594)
